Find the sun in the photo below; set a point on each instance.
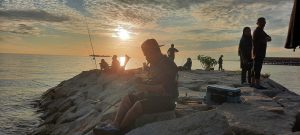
(122, 33)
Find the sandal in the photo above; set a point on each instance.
(106, 129)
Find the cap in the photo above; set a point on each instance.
(150, 45)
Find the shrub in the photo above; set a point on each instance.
(207, 62)
(265, 75)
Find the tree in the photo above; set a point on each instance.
(207, 62)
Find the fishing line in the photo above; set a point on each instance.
(87, 26)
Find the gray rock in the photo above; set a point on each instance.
(201, 123)
(155, 117)
(78, 104)
(258, 114)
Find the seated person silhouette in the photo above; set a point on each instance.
(103, 65)
(115, 64)
(158, 94)
(188, 65)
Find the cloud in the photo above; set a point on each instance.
(196, 24)
(165, 4)
(205, 30)
(1, 2)
(234, 14)
(25, 27)
(37, 15)
(218, 44)
(19, 28)
(78, 5)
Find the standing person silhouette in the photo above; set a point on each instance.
(171, 52)
(260, 39)
(245, 50)
(220, 61)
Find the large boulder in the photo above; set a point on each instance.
(201, 123)
(259, 114)
(155, 117)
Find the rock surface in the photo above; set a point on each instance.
(200, 123)
(77, 105)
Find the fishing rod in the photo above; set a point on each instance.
(87, 26)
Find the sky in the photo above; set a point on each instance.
(208, 27)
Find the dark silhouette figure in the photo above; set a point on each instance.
(188, 64)
(293, 39)
(245, 53)
(260, 39)
(115, 64)
(103, 65)
(158, 94)
(171, 52)
(220, 62)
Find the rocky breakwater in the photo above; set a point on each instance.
(77, 105)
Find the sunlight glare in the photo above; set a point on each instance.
(122, 61)
(122, 33)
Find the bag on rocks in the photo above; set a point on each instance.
(217, 94)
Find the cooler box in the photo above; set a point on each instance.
(218, 94)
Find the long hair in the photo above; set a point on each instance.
(244, 31)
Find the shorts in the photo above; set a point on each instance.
(154, 103)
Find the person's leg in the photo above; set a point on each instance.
(172, 58)
(243, 75)
(134, 112)
(250, 73)
(125, 106)
(249, 76)
(252, 78)
(257, 70)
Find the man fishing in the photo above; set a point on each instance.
(156, 95)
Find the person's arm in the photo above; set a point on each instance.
(168, 50)
(176, 50)
(268, 38)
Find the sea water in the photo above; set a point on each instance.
(23, 78)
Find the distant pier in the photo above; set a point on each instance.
(293, 61)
